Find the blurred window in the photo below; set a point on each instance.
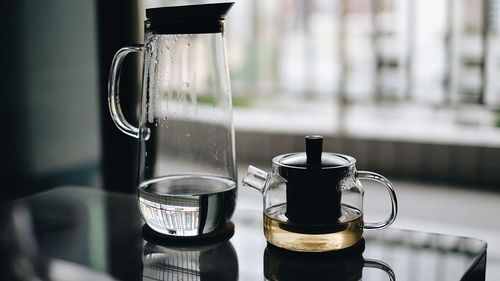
(346, 66)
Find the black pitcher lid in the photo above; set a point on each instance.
(206, 11)
(187, 19)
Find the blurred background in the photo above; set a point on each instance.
(410, 88)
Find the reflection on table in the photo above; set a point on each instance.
(101, 233)
(215, 261)
(346, 265)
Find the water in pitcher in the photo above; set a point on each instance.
(187, 205)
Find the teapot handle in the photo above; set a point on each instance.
(113, 91)
(365, 175)
(371, 263)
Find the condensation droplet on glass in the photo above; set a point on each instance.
(188, 44)
(146, 133)
(188, 135)
(187, 84)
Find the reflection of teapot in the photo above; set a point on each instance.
(344, 265)
(313, 201)
(204, 262)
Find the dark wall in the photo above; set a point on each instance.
(13, 136)
(49, 90)
(119, 26)
(55, 58)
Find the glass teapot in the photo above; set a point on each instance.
(187, 176)
(313, 201)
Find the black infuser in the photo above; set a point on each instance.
(313, 186)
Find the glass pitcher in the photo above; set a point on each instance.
(313, 201)
(187, 176)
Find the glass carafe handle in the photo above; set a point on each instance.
(113, 91)
(365, 175)
(371, 263)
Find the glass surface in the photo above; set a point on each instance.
(411, 255)
(102, 234)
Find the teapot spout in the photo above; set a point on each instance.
(255, 178)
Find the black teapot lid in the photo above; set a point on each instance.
(188, 19)
(314, 157)
(313, 182)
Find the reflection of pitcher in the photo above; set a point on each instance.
(283, 265)
(214, 262)
(187, 174)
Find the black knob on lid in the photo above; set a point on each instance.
(314, 150)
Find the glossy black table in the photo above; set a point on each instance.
(69, 233)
